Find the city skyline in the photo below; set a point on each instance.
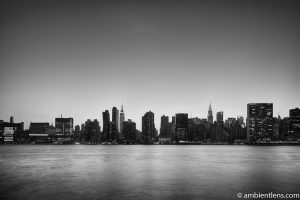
(260, 127)
(80, 59)
(115, 118)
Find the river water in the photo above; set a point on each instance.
(146, 171)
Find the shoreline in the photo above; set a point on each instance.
(179, 144)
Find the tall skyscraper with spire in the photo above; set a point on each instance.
(210, 117)
(122, 118)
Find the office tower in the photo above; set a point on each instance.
(217, 133)
(236, 129)
(115, 124)
(64, 126)
(92, 131)
(295, 122)
(164, 123)
(63, 130)
(106, 126)
(276, 127)
(220, 117)
(115, 119)
(231, 121)
(82, 127)
(210, 117)
(239, 131)
(196, 130)
(122, 118)
(77, 136)
(129, 132)
(173, 129)
(77, 128)
(240, 120)
(148, 128)
(294, 114)
(259, 121)
(39, 132)
(39, 128)
(11, 132)
(11, 119)
(181, 122)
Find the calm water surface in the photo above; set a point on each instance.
(146, 172)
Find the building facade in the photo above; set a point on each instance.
(181, 126)
(64, 126)
(220, 117)
(92, 132)
(129, 132)
(148, 128)
(259, 121)
(39, 132)
(164, 127)
(11, 132)
(115, 123)
(106, 126)
(294, 116)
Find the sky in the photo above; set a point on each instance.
(79, 58)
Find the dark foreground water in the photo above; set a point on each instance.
(146, 172)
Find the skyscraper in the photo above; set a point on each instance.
(82, 127)
(122, 118)
(77, 128)
(38, 132)
(240, 120)
(106, 126)
(181, 126)
(173, 129)
(231, 121)
(64, 126)
(92, 131)
(210, 117)
(196, 130)
(115, 123)
(11, 119)
(295, 122)
(164, 123)
(220, 117)
(259, 121)
(148, 128)
(63, 130)
(129, 132)
(11, 132)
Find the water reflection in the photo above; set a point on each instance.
(146, 172)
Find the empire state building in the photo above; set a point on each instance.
(122, 118)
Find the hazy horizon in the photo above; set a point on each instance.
(79, 58)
